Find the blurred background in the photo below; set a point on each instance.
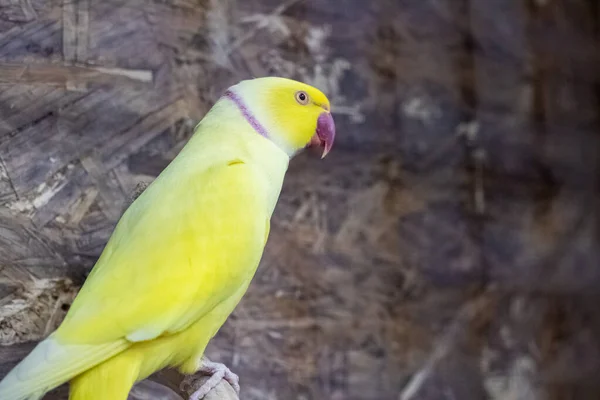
(447, 248)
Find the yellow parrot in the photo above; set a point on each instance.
(183, 254)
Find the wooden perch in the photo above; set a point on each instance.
(223, 391)
(171, 385)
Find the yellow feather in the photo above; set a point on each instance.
(51, 363)
(178, 262)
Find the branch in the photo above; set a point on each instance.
(171, 385)
(223, 391)
(149, 389)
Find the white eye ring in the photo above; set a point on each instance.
(302, 97)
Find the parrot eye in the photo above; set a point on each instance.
(302, 98)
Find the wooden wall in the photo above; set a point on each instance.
(447, 248)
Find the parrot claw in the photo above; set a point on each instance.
(217, 372)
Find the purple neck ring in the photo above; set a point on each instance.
(258, 127)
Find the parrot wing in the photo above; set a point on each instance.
(51, 363)
(185, 245)
(190, 241)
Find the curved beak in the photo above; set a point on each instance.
(325, 133)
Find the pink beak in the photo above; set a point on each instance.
(325, 134)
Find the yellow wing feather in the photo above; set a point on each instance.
(51, 363)
(189, 243)
(165, 268)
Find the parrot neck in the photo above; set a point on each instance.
(248, 116)
(255, 122)
(226, 135)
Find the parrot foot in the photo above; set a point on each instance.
(217, 372)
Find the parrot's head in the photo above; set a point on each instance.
(292, 114)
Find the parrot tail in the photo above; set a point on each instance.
(51, 364)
